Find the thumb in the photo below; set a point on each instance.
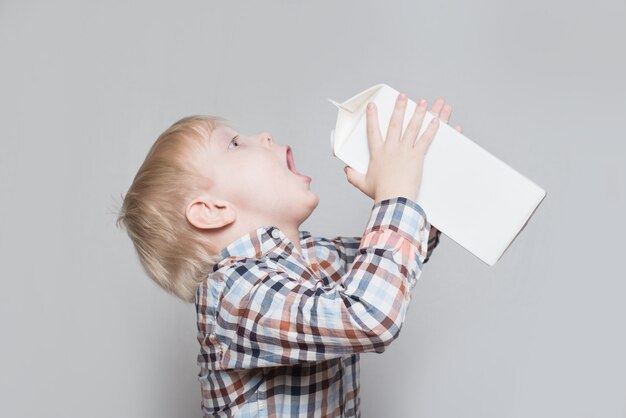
(354, 177)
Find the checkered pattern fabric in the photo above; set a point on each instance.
(281, 332)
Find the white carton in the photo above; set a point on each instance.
(467, 193)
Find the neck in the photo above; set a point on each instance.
(293, 234)
(291, 231)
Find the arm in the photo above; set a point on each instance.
(282, 320)
(347, 247)
(433, 241)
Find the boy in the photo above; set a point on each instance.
(282, 316)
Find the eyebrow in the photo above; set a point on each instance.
(227, 136)
(229, 140)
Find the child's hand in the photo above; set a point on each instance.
(444, 111)
(395, 166)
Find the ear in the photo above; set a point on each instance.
(209, 213)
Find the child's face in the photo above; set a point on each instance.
(252, 173)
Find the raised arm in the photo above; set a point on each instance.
(433, 241)
(284, 320)
(348, 247)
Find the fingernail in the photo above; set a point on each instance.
(370, 105)
(422, 102)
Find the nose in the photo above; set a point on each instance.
(266, 138)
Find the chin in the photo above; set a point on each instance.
(315, 200)
(307, 206)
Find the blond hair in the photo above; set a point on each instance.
(171, 250)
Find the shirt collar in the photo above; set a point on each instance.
(256, 243)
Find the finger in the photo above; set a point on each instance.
(459, 128)
(446, 111)
(355, 178)
(437, 106)
(414, 125)
(374, 136)
(427, 137)
(397, 119)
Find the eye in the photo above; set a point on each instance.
(233, 141)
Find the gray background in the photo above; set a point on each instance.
(85, 89)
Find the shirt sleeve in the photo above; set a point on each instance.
(433, 241)
(284, 321)
(347, 247)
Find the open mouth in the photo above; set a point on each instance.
(292, 165)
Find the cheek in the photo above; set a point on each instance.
(261, 170)
(261, 176)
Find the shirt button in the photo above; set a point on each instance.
(275, 233)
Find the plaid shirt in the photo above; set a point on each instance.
(280, 332)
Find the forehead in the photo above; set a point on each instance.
(216, 145)
(221, 132)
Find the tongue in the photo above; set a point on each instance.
(293, 170)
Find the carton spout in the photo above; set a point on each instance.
(340, 106)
